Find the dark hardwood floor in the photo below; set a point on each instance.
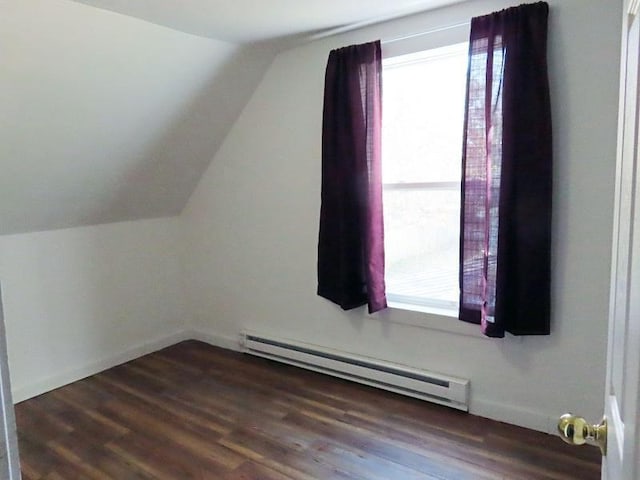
(193, 411)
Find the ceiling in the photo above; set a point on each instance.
(109, 118)
(245, 21)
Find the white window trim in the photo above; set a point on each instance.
(440, 316)
(436, 38)
(431, 319)
(418, 304)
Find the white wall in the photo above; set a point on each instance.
(109, 118)
(253, 220)
(82, 299)
(79, 300)
(105, 118)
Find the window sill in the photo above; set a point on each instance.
(443, 312)
(432, 318)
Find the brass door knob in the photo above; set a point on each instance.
(576, 431)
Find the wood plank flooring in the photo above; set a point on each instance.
(193, 411)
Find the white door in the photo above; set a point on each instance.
(9, 461)
(622, 387)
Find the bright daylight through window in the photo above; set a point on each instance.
(423, 119)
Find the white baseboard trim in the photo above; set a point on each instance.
(222, 341)
(513, 415)
(43, 385)
(500, 412)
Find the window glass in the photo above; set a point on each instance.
(423, 117)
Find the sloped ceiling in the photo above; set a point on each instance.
(108, 118)
(245, 21)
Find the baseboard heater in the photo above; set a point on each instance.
(432, 387)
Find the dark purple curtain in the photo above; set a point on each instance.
(351, 245)
(507, 165)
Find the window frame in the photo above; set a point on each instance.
(413, 44)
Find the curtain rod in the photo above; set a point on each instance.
(428, 32)
(376, 21)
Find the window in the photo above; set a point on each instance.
(423, 121)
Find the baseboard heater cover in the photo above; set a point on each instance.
(422, 384)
